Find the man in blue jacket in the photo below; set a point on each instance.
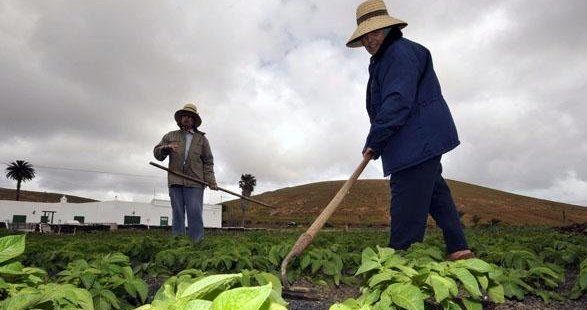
(411, 127)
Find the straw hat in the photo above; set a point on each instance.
(189, 109)
(372, 15)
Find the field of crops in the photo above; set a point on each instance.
(237, 270)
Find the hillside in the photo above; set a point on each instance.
(367, 205)
(10, 194)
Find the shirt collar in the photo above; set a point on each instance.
(391, 37)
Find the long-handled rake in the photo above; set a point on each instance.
(306, 238)
(204, 183)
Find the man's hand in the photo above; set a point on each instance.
(369, 153)
(173, 147)
(213, 187)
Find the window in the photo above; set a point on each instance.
(19, 218)
(131, 220)
(164, 221)
(79, 218)
(48, 216)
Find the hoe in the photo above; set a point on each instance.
(204, 183)
(306, 238)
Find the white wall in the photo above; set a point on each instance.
(102, 212)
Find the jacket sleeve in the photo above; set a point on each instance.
(399, 84)
(208, 161)
(159, 151)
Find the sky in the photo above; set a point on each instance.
(87, 88)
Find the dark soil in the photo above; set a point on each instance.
(529, 303)
(575, 229)
(321, 297)
(536, 303)
(324, 297)
(154, 285)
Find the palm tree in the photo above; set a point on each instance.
(20, 171)
(247, 184)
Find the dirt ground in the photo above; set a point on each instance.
(325, 297)
(529, 303)
(322, 297)
(575, 228)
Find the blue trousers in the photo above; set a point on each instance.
(416, 192)
(187, 200)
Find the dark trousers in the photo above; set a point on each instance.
(415, 192)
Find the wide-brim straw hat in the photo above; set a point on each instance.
(191, 110)
(372, 15)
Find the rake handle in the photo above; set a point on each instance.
(306, 238)
(206, 184)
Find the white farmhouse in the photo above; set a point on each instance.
(155, 213)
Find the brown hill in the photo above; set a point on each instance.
(368, 202)
(10, 194)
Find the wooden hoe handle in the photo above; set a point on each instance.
(306, 238)
(204, 183)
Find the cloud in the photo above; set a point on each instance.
(93, 86)
(568, 188)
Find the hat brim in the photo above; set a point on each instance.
(197, 119)
(372, 24)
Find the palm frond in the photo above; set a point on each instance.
(20, 170)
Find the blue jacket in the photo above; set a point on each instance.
(410, 121)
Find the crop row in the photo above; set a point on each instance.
(111, 271)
